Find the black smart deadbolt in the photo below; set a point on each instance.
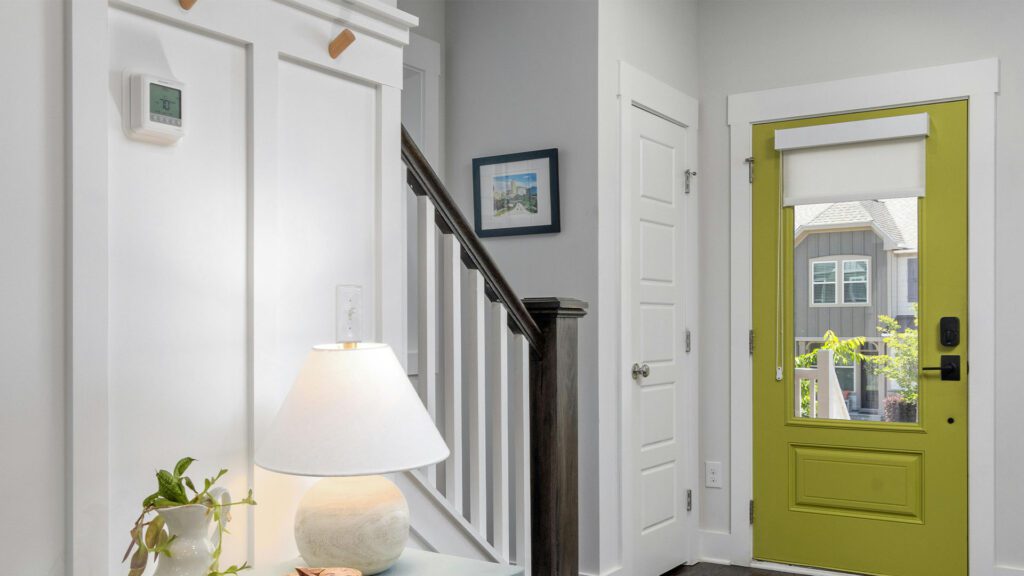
(949, 331)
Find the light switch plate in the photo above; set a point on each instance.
(713, 474)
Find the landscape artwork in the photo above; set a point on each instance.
(516, 194)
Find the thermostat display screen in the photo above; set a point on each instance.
(165, 101)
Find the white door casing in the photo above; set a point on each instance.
(659, 319)
(421, 116)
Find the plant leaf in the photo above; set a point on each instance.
(171, 488)
(191, 486)
(162, 502)
(149, 500)
(135, 538)
(128, 552)
(156, 527)
(139, 559)
(183, 465)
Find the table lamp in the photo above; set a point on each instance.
(351, 415)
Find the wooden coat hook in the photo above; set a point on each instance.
(187, 4)
(340, 43)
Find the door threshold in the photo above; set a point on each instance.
(792, 569)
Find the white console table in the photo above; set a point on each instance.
(416, 563)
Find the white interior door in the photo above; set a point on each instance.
(658, 299)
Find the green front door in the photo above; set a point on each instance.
(860, 462)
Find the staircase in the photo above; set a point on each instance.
(498, 375)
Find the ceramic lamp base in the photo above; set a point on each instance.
(361, 522)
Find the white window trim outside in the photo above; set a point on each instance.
(840, 282)
(976, 81)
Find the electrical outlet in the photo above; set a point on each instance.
(713, 474)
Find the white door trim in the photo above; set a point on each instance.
(424, 55)
(637, 88)
(977, 81)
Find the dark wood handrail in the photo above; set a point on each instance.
(425, 182)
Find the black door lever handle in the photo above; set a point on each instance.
(950, 367)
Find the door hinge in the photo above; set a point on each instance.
(750, 341)
(689, 500)
(750, 169)
(688, 338)
(689, 174)
(751, 512)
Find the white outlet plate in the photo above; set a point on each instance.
(713, 474)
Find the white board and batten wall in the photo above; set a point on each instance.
(32, 322)
(223, 251)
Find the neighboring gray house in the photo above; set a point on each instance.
(854, 261)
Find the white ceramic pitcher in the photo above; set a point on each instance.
(194, 540)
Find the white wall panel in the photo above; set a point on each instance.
(32, 398)
(326, 201)
(178, 286)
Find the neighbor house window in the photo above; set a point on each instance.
(841, 281)
(855, 281)
(823, 280)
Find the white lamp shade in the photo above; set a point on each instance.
(351, 412)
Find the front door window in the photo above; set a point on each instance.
(851, 264)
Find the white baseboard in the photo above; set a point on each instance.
(617, 571)
(717, 547)
(790, 569)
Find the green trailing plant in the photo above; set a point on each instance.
(149, 534)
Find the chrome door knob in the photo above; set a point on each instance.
(641, 370)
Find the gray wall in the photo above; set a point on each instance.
(432, 18)
(845, 321)
(757, 44)
(523, 76)
(32, 286)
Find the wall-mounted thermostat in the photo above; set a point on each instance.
(156, 109)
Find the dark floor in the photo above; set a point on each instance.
(719, 570)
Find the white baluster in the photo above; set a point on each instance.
(476, 380)
(497, 364)
(519, 363)
(452, 349)
(824, 382)
(427, 311)
(797, 396)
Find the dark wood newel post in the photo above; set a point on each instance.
(554, 433)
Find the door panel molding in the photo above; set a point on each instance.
(814, 469)
(976, 81)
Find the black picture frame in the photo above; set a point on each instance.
(555, 226)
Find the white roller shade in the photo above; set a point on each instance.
(849, 161)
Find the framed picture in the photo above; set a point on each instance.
(516, 194)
